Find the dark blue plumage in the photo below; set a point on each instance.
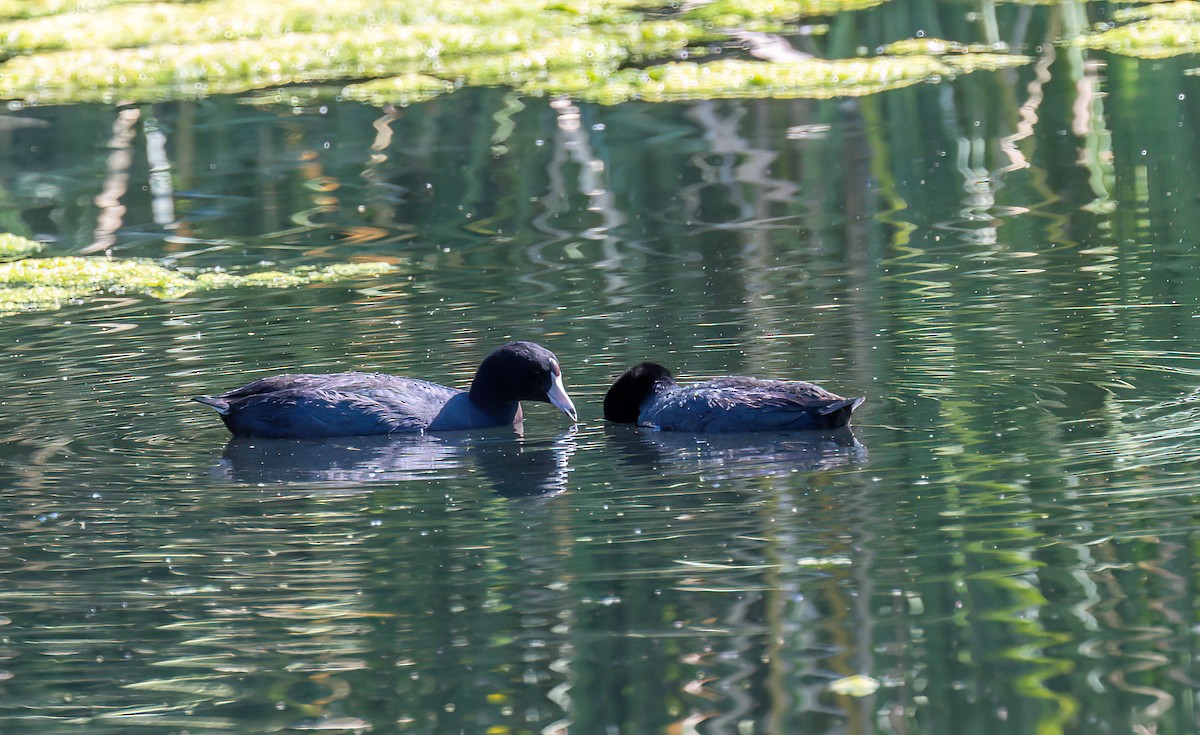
(305, 406)
(647, 394)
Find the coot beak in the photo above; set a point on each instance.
(558, 396)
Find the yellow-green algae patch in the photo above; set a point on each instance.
(13, 9)
(1156, 38)
(809, 78)
(405, 89)
(15, 246)
(136, 52)
(928, 46)
(964, 58)
(154, 23)
(299, 276)
(967, 63)
(603, 55)
(43, 284)
(236, 66)
(1187, 10)
(755, 15)
(478, 54)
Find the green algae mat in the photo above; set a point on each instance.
(45, 284)
(403, 51)
(388, 52)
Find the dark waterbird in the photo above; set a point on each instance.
(647, 394)
(306, 406)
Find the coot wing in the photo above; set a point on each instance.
(351, 382)
(307, 414)
(338, 404)
(768, 392)
(745, 404)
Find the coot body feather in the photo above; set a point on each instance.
(648, 395)
(307, 406)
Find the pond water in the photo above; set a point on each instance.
(1006, 543)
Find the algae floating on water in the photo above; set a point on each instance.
(733, 78)
(405, 89)
(404, 51)
(769, 15)
(1186, 10)
(45, 284)
(15, 246)
(1154, 38)
(19, 9)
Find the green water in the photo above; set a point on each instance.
(1005, 265)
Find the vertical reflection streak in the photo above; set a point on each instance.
(383, 204)
(743, 657)
(162, 205)
(111, 213)
(504, 123)
(1028, 112)
(592, 185)
(572, 144)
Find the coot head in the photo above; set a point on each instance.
(521, 371)
(623, 402)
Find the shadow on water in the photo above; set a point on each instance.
(513, 465)
(737, 455)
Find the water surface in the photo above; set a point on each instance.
(1005, 543)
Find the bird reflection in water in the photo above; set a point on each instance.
(737, 455)
(513, 465)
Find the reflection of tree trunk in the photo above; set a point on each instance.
(162, 203)
(741, 167)
(862, 209)
(383, 202)
(571, 143)
(744, 656)
(591, 172)
(112, 213)
(864, 570)
(272, 214)
(184, 147)
(11, 219)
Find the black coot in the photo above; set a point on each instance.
(647, 395)
(304, 406)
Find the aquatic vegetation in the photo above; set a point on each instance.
(1155, 38)
(42, 284)
(970, 62)
(154, 23)
(405, 89)
(925, 47)
(810, 78)
(235, 66)
(15, 246)
(13, 9)
(962, 57)
(1188, 10)
(299, 276)
(603, 56)
(399, 52)
(757, 15)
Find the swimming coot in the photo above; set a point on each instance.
(647, 395)
(303, 406)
